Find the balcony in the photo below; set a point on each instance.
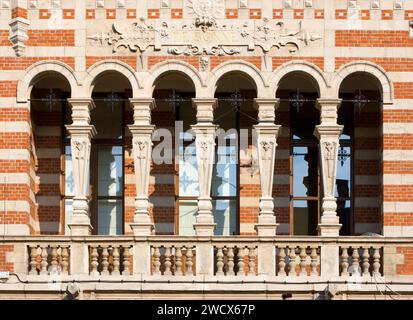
(202, 267)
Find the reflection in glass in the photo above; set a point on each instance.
(109, 217)
(110, 171)
(188, 172)
(305, 161)
(187, 217)
(225, 217)
(224, 178)
(343, 180)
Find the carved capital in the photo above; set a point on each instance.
(328, 110)
(81, 108)
(142, 108)
(266, 109)
(204, 109)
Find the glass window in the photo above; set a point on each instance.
(224, 178)
(109, 217)
(343, 180)
(225, 213)
(305, 215)
(110, 171)
(187, 216)
(188, 172)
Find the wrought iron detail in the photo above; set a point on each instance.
(112, 100)
(236, 100)
(343, 155)
(174, 100)
(360, 100)
(297, 100)
(50, 99)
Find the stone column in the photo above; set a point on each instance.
(142, 131)
(81, 133)
(267, 133)
(205, 132)
(328, 132)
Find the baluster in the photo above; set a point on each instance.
(33, 260)
(168, 261)
(44, 263)
(230, 263)
(303, 262)
(53, 268)
(189, 263)
(376, 263)
(105, 261)
(116, 263)
(178, 261)
(344, 262)
(251, 261)
(355, 265)
(313, 256)
(65, 260)
(220, 262)
(241, 263)
(281, 263)
(366, 263)
(156, 260)
(292, 263)
(126, 261)
(94, 263)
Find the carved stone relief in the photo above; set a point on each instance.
(205, 35)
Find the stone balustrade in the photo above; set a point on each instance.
(209, 263)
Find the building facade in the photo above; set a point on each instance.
(198, 148)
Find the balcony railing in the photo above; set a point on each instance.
(220, 263)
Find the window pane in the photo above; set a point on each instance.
(225, 217)
(69, 182)
(224, 179)
(188, 172)
(68, 214)
(109, 217)
(343, 181)
(305, 217)
(110, 171)
(187, 213)
(107, 119)
(305, 161)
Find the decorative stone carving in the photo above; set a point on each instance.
(18, 34)
(142, 131)
(81, 133)
(267, 133)
(328, 133)
(204, 63)
(204, 37)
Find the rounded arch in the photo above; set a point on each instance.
(242, 67)
(367, 67)
(110, 66)
(174, 66)
(41, 68)
(301, 66)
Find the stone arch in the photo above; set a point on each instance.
(243, 67)
(367, 67)
(174, 66)
(302, 66)
(110, 65)
(38, 69)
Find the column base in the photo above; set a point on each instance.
(142, 229)
(204, 229)
(329, 229)
(266, 229)
(80, 229)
